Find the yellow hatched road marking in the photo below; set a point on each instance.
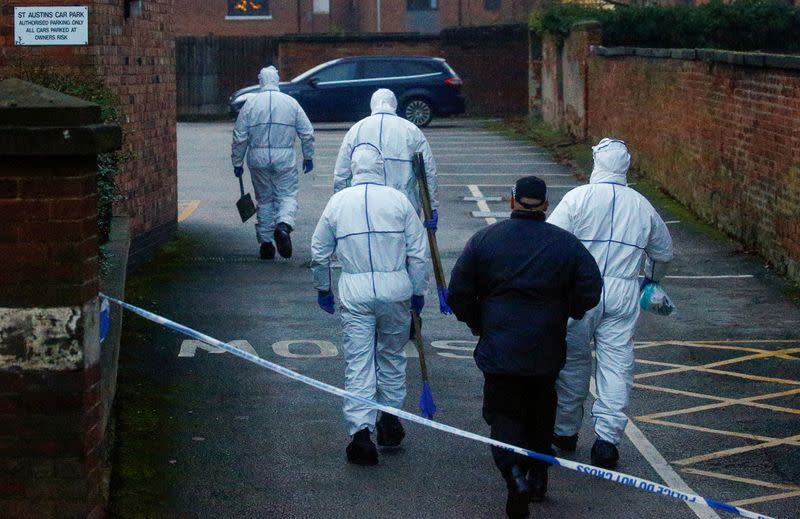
(187, 209)
(714, 346)
(751, 401)
(697, 428)
(764, 499)
(755, 482)
(720, 363)
(791, 440)
(715, 372)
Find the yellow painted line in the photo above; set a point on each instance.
(764, 499)
(659, 363)
(758, 378)
(749, 341)
(747, 376)
(187, 209)
(737, 450)
(755, 482)
(697, 428)
(727, 362)
(751, 401)
(715, 346)
(708, 345)
(680, 392)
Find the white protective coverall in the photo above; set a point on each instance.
(398, 140)
(381, 244)
(266, 129)
(618, 226)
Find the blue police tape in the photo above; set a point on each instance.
(589, 470)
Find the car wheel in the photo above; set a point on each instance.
(418, 111)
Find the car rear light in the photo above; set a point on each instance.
(454, 81)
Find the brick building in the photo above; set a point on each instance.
(131, 48)
(56, 381)
(274, 18)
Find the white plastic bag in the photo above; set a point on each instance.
(655, 299)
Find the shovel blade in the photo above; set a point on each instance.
(246, 207)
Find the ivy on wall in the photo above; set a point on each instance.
(744, 25)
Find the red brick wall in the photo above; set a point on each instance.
(492, 61)
(51, 445)
(136, 58)
(49, 218)
(722, 138)
(207, 17)
(474, 13)
(298, 56)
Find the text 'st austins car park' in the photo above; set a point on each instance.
(340, 90)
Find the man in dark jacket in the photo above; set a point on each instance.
(515, 285)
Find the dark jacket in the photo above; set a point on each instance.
(515, 285)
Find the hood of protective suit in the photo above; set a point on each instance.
(366, 163)
(383, 100)
(611, 162)
(268, 78)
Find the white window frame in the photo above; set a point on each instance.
(322, 7)
(246, 17)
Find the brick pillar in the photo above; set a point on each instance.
(51, 440)
(575, 56)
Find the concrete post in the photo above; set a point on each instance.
(51, 440)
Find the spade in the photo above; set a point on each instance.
(245, 204)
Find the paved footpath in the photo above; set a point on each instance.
(202, 434)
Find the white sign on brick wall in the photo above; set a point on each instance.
(62, 25)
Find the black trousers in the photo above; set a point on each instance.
(521, 410)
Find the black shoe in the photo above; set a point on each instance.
(604, 454)
(566, 443)
(267, 251)
(537, 484)
(390, 431)
(518, 494)
(361, 450)
(282, 239)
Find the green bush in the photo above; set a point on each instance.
(747, 25)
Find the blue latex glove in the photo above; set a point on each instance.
(308, 165)
(238, 171)
(433, 223)
(417, 303)
(646, 281)
(325, 300)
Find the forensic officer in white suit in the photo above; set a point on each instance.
(381, 244)
(398, 140)
(619, 227)
(265, 130)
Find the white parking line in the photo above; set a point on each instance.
(482, 205)
(659, 464)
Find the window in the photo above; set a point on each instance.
(373, 69)
(243, 9)
(338, 72)
(491, 5)
(417, 68)
(422, 5)
(322, 6)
